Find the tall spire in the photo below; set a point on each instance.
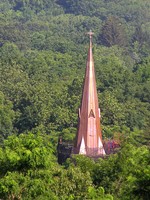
(89, 137)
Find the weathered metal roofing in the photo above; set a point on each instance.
(89, 136)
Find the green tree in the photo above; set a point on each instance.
(38, 41)
(6, 116)
(112, 111)
(26, 165)
(9, 53)
(113, 32)
(134, 176)
(99, 194)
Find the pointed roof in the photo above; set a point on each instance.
(89, 121)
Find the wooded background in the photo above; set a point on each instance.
(43, 50)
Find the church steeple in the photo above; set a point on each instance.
(89, 136)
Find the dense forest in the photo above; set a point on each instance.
(43, 49)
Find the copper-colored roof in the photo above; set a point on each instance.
(89, 136)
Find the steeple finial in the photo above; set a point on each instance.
(90, 33)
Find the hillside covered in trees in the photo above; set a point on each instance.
(43, 49)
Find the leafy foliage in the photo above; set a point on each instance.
(113, 33)
(43, 54)
(6, 117)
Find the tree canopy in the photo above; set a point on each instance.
(43, 49)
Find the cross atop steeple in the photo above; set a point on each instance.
(90, 33)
